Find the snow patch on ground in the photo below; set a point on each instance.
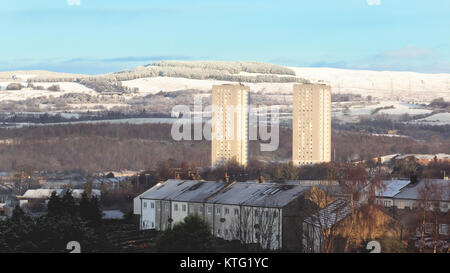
(437, 119)
(27, 93)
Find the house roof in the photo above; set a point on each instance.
(168, 189)
(41, 193)
(391, 187)
(238, 193)
(276, 195)
(78, 193)
(330, 215)
(47, 193)
(200, 191)
(412, 191)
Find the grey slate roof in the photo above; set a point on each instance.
(412, 191)
(238, 193)
(392, 188)
(330, 215)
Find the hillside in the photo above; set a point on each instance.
(262, 77)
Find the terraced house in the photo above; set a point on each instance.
(267, 214)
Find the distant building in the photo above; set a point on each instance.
(39, 197)
(229, 124)
(311, 124)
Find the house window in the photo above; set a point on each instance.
(256, 213)
(153, 224)
(218, 211)
(219, 232)
(175, 207)
(184, 207)
(387, 203)
(227, 211)
(158, 206)
(200, 209)
(236, 212)
(152, 205)
(145, 204)
(443, 229)
(209, 210)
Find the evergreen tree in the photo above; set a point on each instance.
(54, 206)
(69, 205)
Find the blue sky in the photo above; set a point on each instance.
(98, 36)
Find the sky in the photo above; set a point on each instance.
(100, 36)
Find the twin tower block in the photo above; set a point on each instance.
(311, 124)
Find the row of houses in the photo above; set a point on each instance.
(270, 214)
(423, 159)
(267, 214)
(403, 194)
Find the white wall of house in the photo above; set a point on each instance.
(231, 216)
(179, 211)
(230, 222)
(266, 227)
(148, 216)
(137, 206)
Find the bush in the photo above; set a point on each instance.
(192, 235)
(14, 86)
(54, 87)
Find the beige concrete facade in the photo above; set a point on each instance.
(311, 124)
(230, 113)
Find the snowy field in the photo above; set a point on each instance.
(167, 84)
(356, 110)
(406, 86)
(436, 119)
(19, 95)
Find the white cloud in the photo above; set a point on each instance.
(73, 2)
(373, 2)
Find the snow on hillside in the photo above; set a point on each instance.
(382, 84)
(436, 119)
(26, 93)
(167, 84)
(406, 86)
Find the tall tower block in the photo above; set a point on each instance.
(311, 124)
(230, 124)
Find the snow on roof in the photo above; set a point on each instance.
(41, 193)
(46, 193)
(199, 191)
(413, 190)
(6, 188)
(171, 187)
(77, 193)
(391, 187)
(330, 215)
(439, 156)
(238, 193)
(276, 196)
